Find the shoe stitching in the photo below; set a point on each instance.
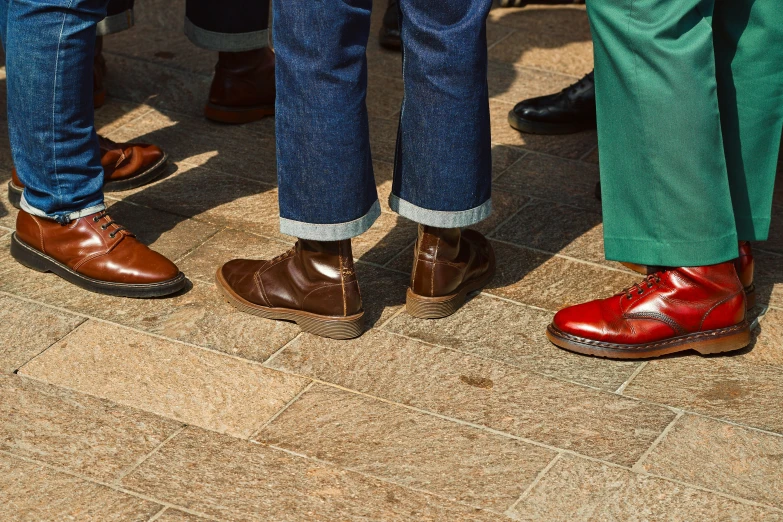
(342, 278)
(674, 325)
(602, 344)
(722, 301)
(432, 278)
(260, 287)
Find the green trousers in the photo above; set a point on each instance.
(690, 114)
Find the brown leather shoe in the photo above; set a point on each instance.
(243, 89)
(313, 284)
(744, 265)
(125, 166)
(448, 264)
(98, 73)
(96, 254)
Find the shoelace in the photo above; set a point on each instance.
(105, 214)
(647, 282)
(283, 255)
(580, 84)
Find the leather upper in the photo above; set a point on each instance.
(666, 304)
(96, 248)
(446, 258)
(244, 79)
(744, 264)
(120, 161)
(314, 276)
(575, 103)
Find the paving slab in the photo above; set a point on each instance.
(722, 457)
(482, 392)
(578, 489)
(409, 448)
(178, 381)
(89, 436)
(513, 334)
(29, 329)
(236, 480)
(33, 492)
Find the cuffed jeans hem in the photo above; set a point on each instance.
(226, 42)
(686, 253)
(440, 218)
(752, 229)
(116, 23)
(61, 218)
(331, 232)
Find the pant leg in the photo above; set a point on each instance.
(119, 17)
(49, 61)
(325, 176)
(443, 165)
(228, 25)
(664, 180)
(749, 58)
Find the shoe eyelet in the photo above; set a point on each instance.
(103, 227)
(95, 219)
(111, 235)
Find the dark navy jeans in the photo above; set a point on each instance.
(49, 47)
(443, 165)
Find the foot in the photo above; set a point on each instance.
(570, 110)
(694, 308)
(96, 254)
(390, 30)
(125, 166)
(744, 265)
(448, 264)
(243, 89)
(98, 74)
(313, 284)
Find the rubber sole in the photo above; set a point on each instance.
(237, 115)
(145, 177)
(723, 340)
(389, 40)
(40, 262)
(332, 327)
(547, 129)
(423, 307)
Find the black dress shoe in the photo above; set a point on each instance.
(390, 30)
(570, 110)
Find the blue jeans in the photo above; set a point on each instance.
(443, 165)
(49, 46)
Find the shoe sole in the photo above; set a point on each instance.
(40, 262)
(329, 326)
(547, 129)
(152, 173)
(237, 115)
(723, 340)
(392, 43)
(423, 307)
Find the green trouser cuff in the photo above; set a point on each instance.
(752, 229)
(685, 253)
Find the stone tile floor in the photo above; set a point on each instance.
(183, 409)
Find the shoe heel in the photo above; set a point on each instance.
(27, 256)
(348, 328)
(14, 195)
(736, 340)
(432, 307)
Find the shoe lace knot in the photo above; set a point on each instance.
(282, 256)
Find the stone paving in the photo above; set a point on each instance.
(183, 409)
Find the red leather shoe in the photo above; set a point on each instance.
(693, 308)
(744, 265)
